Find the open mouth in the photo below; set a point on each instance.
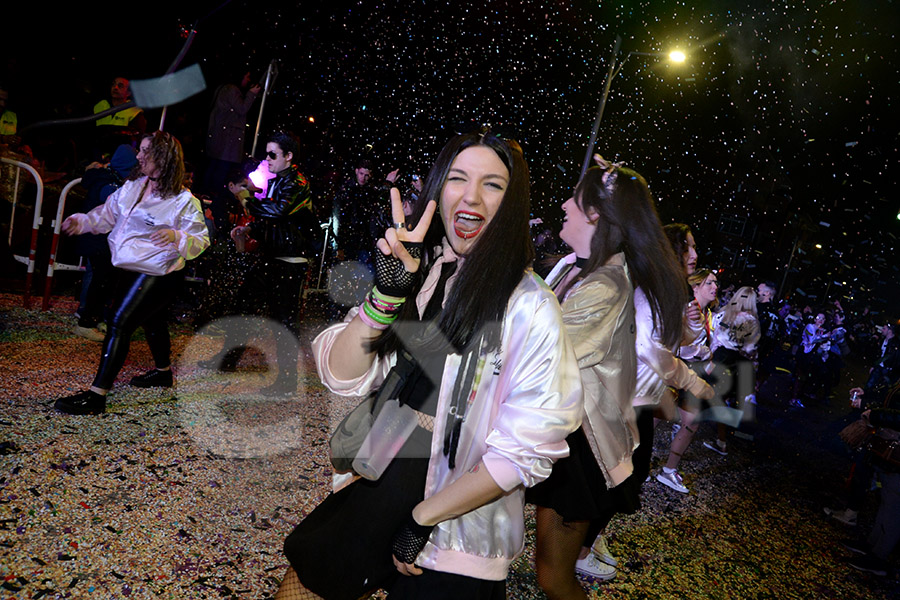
(467, 225)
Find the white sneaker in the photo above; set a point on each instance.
(847, 517)
(718, 447)
(673, 480)
(591, 567)
(602, 552)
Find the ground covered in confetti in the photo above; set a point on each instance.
(189, 493)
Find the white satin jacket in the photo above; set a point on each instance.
(526, 404)
(658, 366)
(741, 336)
(130, 223)
(696, 349)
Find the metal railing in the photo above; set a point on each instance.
(29, 261)
(52, 265)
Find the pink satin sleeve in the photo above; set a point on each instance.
(362, 385)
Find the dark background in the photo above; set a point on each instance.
(778, 134)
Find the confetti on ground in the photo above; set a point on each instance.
(189, 493)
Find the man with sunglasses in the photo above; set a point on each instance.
(285, 227)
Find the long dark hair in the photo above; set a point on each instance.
(166, 152)
(494, 265)
(628, 222)
(677, 234)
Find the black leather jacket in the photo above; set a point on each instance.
(284, 222)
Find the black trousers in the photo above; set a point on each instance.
(141, 300)
(272, 288)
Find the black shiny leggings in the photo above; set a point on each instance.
(142, 300)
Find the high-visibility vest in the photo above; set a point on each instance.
(119, 119)
(8, 123)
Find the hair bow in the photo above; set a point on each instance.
(611, 168)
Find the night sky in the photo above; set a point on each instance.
(781, 128)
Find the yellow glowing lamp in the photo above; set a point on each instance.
(677, 56)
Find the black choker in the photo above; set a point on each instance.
(580, 262)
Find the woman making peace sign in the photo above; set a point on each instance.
(495, 386)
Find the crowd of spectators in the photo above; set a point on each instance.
(756, 334)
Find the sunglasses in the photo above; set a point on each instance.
(502, 131)
(271, 154)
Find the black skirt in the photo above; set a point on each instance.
(342, 549)
(576, 489)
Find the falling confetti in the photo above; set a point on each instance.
(780, 117)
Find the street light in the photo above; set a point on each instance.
(675, 56)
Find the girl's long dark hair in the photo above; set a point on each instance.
(165, 150)
(494, 265)
(677, 234)
(628, 222)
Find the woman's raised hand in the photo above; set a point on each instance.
(692, 312)
(392, 242)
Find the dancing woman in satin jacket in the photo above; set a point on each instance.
(496, 391)
(154, 226)
(612, 225)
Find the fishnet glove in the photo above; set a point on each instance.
(391, 277)
(409, 540)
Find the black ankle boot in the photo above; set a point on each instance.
(154, 378)
(82, 403)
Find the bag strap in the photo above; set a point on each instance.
(395, 380)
